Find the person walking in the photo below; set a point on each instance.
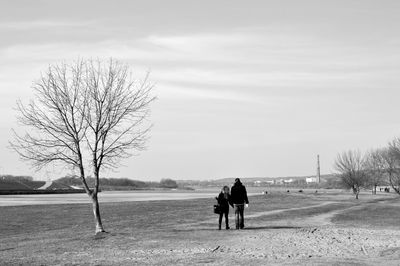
(224, 200)
(239, 199)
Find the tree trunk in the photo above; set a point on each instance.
(356, 191)
(393, 185)
(96, 212)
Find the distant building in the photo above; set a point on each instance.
(383, 188)
(311, 180)
(258, 183)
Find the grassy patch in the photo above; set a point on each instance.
(377, 215)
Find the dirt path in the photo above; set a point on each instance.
(324, 219)
(260, 214)
(273, 212)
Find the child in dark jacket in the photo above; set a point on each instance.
(224, 200)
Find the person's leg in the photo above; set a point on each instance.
(241, 213)
(237, 216)
(227, 219)
(220, 220)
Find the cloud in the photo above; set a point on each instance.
(249, 65)
(198, 92)
(30, 25)
(200, 42)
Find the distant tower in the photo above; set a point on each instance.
(318, 170)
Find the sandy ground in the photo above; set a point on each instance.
(280, 230)
(280, 245)
(314, 240)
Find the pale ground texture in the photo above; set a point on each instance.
(281, 229)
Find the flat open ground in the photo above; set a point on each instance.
(281, 228)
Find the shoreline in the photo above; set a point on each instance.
(104, 197)
(140, 196)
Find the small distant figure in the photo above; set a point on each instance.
(316, 192)
(266, 192)
(224, 200)
(239, 200)
(301, 191)
(288, 191)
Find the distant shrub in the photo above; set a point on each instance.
(333, 183)
(70, 180)
(122, 182)
(168, 183)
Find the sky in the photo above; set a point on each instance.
(244, 88)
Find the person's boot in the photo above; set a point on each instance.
(227, 227)
(219, 227)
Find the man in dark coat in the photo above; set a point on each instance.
(239, 199)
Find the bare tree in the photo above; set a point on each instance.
(350, 166)
(375, 168)
(89, 114)
(392, 164)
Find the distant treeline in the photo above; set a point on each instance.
(118, 183)
(329, 181)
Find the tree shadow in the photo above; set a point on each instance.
(191, 229)
(272, 227)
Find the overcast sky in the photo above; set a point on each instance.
(245, 88)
